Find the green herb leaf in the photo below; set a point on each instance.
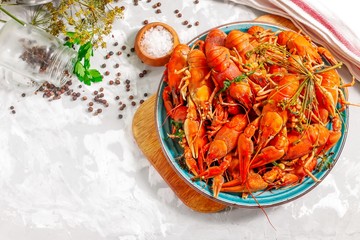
(88, 78)
(69, 44)
(96, 75)
(79, 70)
(85, 51)
(227, 84)
(240, 78)
(89, 53)
(73, 41)
(70, 34)
(87, 63)
(82, 65)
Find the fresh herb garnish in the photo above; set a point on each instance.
(82, 64)
(177, 129)
(326, 162)
(240, 78)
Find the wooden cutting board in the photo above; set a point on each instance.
(144, 131)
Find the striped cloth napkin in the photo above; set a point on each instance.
(331, 23)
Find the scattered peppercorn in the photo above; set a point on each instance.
(123, 106)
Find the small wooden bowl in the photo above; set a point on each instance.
(150, 60)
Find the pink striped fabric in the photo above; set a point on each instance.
(320, 18)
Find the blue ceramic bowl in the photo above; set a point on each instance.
(173, 151)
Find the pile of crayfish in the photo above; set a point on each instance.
(254, 110)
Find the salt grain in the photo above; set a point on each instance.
(157, 41)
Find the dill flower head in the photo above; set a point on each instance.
(88, 20)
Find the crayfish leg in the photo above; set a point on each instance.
(218, 181)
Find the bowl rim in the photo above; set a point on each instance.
(239, 204)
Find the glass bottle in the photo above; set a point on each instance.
(32, 2)
(35, 54)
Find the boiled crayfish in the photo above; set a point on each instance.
(259, 110)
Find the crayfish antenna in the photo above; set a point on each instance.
(307, 171)
(261, 207)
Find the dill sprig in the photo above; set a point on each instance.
(275, 54)
(89, 20)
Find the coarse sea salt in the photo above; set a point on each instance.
(157, 41)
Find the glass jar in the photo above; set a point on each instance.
(32, 2)
(35, 54)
